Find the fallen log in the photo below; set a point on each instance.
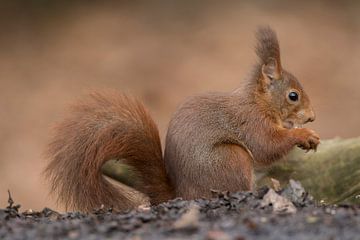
(331, 175)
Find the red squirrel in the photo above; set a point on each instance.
(214, 140)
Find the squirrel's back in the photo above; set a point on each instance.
(203, 145)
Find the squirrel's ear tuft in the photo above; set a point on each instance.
(268, 51)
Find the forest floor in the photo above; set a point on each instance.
(289, 213)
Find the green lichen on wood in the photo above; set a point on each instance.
(331, 174)
(121, 172)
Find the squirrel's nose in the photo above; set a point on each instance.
(311, 116)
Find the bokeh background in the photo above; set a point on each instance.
(52, 52)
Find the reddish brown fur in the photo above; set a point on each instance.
(105, 126)
(267, 45)
(253, 116)
(214, 141)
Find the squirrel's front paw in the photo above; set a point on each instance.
(307, 139)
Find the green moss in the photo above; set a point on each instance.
(121, 172)
(331, 174)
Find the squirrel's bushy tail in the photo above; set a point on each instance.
(105, 126)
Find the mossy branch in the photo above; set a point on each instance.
(331, 174)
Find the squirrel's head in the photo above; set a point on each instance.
(280, 90)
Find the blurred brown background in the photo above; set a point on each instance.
(52, 52)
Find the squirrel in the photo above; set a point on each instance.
(214, 140)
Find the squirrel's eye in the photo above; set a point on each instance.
(293, 96)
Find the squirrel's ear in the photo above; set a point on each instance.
(271, 70)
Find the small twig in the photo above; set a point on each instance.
(10, 200)
(12, 210)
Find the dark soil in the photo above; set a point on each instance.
(226, 216)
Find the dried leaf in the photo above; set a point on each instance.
(280, 204)
(276, 184)
(190, 219)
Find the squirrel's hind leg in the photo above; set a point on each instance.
(229, 167)
(237, 170)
